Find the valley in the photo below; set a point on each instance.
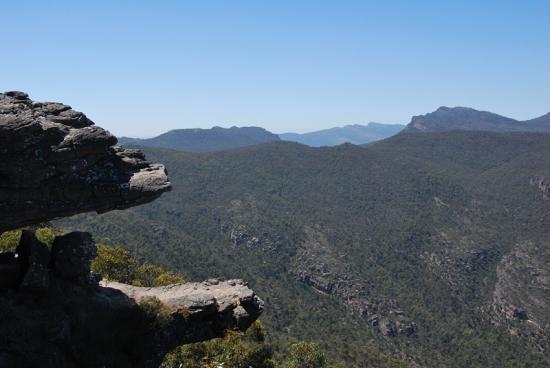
(400, 245)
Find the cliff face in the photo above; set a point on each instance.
(54, 162)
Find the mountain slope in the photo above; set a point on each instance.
(407, 244)
(205, 140)
(541, 123)
(464, 118)
(356, 134)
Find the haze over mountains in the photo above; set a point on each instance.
(444, 118)
(205, 140)
(217, 138)
(355, 134)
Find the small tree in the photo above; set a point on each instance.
(152, 275)
(305, 355)
(9, 240)
(235, 350)
(114, 263)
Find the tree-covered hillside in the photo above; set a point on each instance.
(397, 245)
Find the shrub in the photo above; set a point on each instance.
(116, 264)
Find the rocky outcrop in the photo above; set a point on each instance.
(318, 267)
(55, 162)
(224, 304)
(242, 235)
(521, 297)
(34, 259)
(55, 314)
(543, 185)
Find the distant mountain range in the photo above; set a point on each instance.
(443, 119)
(465, 118)
(356, 134)
(219, 139)
(205, 140)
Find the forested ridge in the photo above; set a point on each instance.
(394, 246)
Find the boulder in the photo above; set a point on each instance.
(72, 255)
(34, 257)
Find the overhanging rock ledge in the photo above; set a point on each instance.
(54, 162)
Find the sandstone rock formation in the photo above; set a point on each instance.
(224, 304)
(58, 316)
(55, 162)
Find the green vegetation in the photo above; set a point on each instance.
(305, 355)
(420, 219)
(10, 239)
(116, 264)
(249, 349)
(235, 350)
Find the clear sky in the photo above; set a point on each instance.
(139, 68)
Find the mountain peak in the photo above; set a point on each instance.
(349, 133)
(204, 140)
(466, 118)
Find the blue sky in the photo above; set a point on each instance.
(139, 68)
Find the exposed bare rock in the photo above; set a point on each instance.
(54, 315)
(55, 162)
(198, 311)
(317, 266)
(521, 298)
(71, 256)
(34, 257)
(543, 185)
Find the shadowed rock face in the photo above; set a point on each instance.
(55, 162)
(54, 313)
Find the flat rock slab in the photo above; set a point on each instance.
(231, 298)
(198, 311)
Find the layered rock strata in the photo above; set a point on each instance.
(55, 162)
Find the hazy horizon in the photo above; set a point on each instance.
(141, 68)
(248, 125)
